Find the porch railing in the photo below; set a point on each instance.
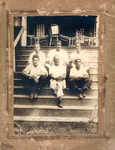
(70, 41)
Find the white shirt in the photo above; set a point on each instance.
(75, 73)
(63, 56)
(33, 71)
(57, 71)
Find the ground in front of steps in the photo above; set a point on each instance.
(50, 128)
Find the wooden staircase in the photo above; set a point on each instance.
(45, 109)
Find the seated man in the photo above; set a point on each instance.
(79, 78)
(57, 73)
(32, 74)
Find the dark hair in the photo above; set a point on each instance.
(55, 57)
(77, 59)
(35, 56)
(58, 42)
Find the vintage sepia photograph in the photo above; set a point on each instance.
(55, 75)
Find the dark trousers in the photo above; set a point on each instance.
(80, 85)
(30, 86)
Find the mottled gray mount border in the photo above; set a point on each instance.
(101, 84)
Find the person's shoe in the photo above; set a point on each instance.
(31, 97)
(59, 105)
(35, 96)
(84, 95)
(80, 97)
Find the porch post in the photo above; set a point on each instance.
(97, 31)
(24, 35)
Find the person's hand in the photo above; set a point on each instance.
(33, 76)
(59, 76)
(36, 80)
(71, 79)
(85, 75)
(29, 77)
(27, 74)
(47, 65)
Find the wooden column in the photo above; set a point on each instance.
(24, 35)
(97, 31)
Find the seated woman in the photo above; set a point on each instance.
(57, 73)
(32, 74)
(79, 78)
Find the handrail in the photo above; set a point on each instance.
(18, 37)
(37, 37)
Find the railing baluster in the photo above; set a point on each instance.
(81, 39)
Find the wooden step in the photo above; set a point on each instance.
(18, 84)
(27, 52)
(93, 70)
(54, 111)
(88, 53)
(22, 90)
(49, 107)
(67, 101)
(18, 80)
(69, 97)
(25, 62)
(85, 49)
(49, 91)
(51, 119)
(69, 50)
(25, 57)
(19, 75)
(49, 94)
(95, 77)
